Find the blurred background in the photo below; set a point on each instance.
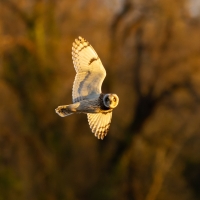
(151, 52)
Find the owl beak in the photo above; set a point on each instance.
(111, 99)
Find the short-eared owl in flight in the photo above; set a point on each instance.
(87, 96)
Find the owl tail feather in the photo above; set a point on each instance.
(63, 111)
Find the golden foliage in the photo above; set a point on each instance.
(150, 50)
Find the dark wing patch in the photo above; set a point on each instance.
(92, 60)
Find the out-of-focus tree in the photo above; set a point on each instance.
(150, 50)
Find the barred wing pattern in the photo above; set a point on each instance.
(89, 69)
(100, 123)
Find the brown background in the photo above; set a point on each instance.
(151, 52)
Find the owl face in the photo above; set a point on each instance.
(110, 100)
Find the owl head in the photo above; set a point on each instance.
(110, 100)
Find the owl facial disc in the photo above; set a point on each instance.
(110, 100)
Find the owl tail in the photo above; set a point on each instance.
(64, 111)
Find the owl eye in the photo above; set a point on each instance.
(114, 99)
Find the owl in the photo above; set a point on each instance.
(86, 93)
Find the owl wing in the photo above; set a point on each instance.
(90, 72)
(100, 123)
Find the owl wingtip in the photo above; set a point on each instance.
(79, 37)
